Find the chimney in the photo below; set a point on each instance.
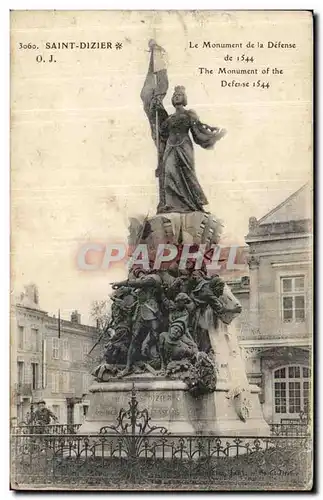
(76, 317)
(30, 296)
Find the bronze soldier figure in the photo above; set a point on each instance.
(147, 316)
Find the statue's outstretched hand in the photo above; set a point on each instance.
(221, 132)
(217, 131)
(117, 284)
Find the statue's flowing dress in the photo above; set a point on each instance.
(179, 188)
(182, 191)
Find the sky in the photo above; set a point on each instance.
(83, 161)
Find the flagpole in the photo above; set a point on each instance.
(155, 67)
(59, 323)
(157, 130)
(156, 118)
(158, 172)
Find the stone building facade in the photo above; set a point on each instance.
(49, 360)
(276, 337)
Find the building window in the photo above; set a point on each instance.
(19, 413)
(85, 351)
(86, 383)
(55, 382)
(293, 299)
(35, 345)
(55, 348)
(83, 410)
(20, 337)
(35, 375)
(57, 411)
(291, 390)
(66, 381)
(20, 367)
(66, 353)
(44, 364)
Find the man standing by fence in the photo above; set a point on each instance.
(43, 415)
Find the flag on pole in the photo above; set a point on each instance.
(156, 83)
(156, 86)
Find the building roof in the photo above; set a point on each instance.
(295, 208)
(70, 326)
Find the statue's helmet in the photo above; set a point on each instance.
(178, 324)
(139, 272)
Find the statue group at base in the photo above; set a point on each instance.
(161, 324)
(170, 332)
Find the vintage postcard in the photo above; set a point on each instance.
(161, 250)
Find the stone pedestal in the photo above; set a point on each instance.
(167, 403)
(170, 405)
(216, 414)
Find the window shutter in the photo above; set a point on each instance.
(66, 381)
(44, 365)
(55, 386)
(55, 348)
(51, 381)
(85, 351)
(27, 375)
(25, 337)
(60, 381)
(65, 348)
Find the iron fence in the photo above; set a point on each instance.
(279, 429)
(45, 429)
(135, 454)
(113, 461)
(288, 429)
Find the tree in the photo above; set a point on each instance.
(101, 314)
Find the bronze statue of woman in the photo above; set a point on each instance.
(179, 188)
